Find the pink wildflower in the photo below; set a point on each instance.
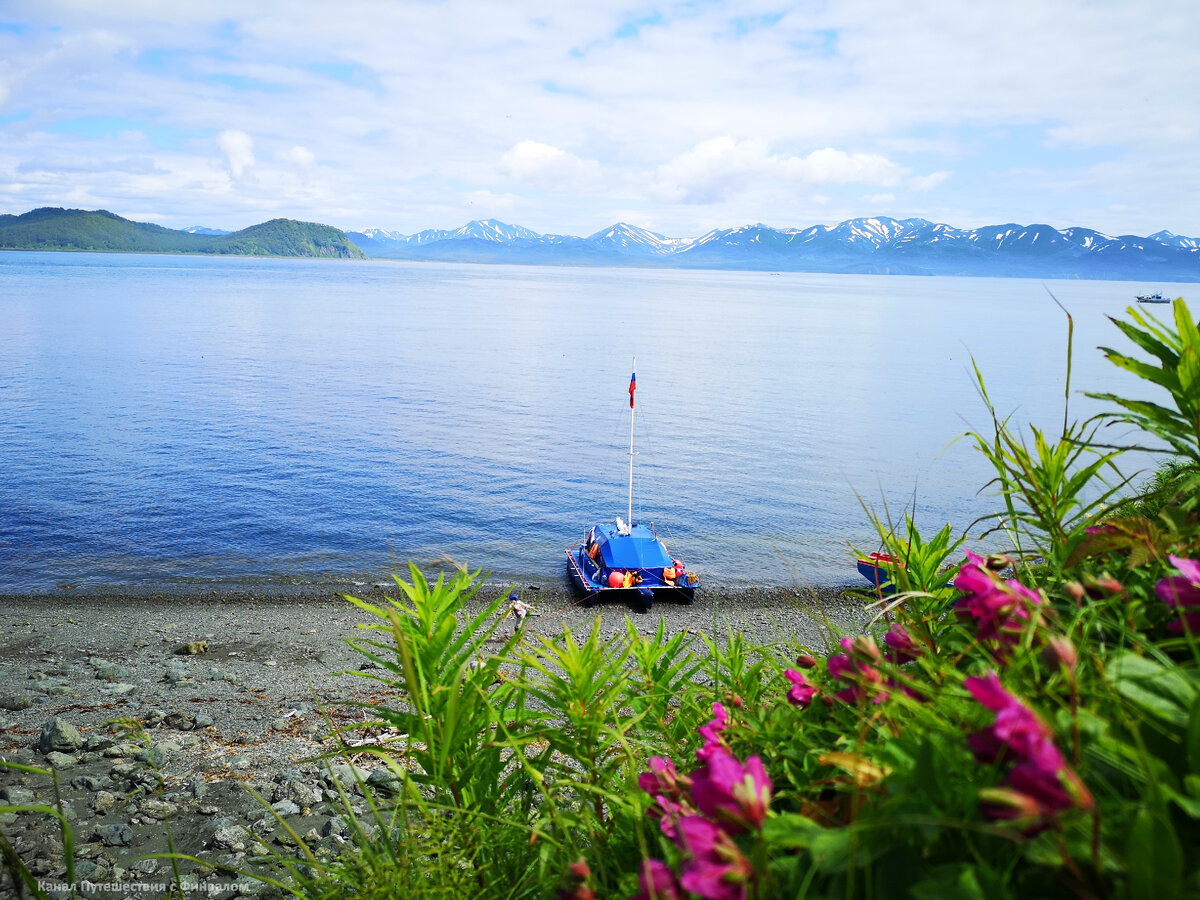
(802, 691)
(866, 682)
(1040, 778)
(1182, 593)
(712, 733)
(657, 882)
(716, 868)
(728, 791)
(999, 607)
(901, 646)
(662, 778)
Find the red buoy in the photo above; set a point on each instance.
(616, 579)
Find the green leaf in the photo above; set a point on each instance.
(1155, 860)
(792, 831)
(1193, 738)
(956, 881)
(1153, 687)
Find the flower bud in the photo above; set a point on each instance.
(806, 661)
(1060, 652)
(1075, 591)
(1104, 586)
(998, 562)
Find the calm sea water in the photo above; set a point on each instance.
(169, 420)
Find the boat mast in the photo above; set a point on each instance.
(632, 386)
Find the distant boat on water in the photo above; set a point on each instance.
(1156, 297)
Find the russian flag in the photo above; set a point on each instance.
(632, 388)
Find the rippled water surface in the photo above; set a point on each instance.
(179, 419)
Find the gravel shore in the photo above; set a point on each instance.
(229, 687)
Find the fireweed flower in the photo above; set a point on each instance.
(716, 868)
(657, 882)
(1000, 607)
(712, 733)
(1040, 783)
(1182, 593)
(901, 646)
(854, 666)
(802, 691)
(662, 778)
(730, 792)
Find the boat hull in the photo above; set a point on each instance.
(873, 568)
(587, 577)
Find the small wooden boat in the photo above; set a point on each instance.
(624, 560)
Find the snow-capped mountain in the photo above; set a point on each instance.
(631, 239)
(879, 245)
(200, 229)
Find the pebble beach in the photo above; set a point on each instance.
(234, 689)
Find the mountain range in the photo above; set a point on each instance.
(857, 246)
(862, 246)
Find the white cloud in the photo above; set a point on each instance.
(300, 157)
(928, 182)
(238, 148)
(716, 170)
(536, 163)
(431, 103)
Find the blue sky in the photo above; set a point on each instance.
(566, 118)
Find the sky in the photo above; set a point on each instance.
(568, 117)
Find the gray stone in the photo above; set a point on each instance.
(98, 742)
(17, 796)
(115, 835)
(104, 802)
(106, 671)
(301, 793)
(119, 689)
(385, 780)
(89, 870)
(157, 809)
(144, 867)
(286, 808)
(91, 782)
(179, 722)
(204, 721)
(232, 837)
(59, 734)
(152, 755)
(336, 827)
(198, 787)
(153, 718)
(15, 702)
(61, 760)
(344, 774)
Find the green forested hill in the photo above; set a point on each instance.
(51, 228)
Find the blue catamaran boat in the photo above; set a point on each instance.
(625, 560)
